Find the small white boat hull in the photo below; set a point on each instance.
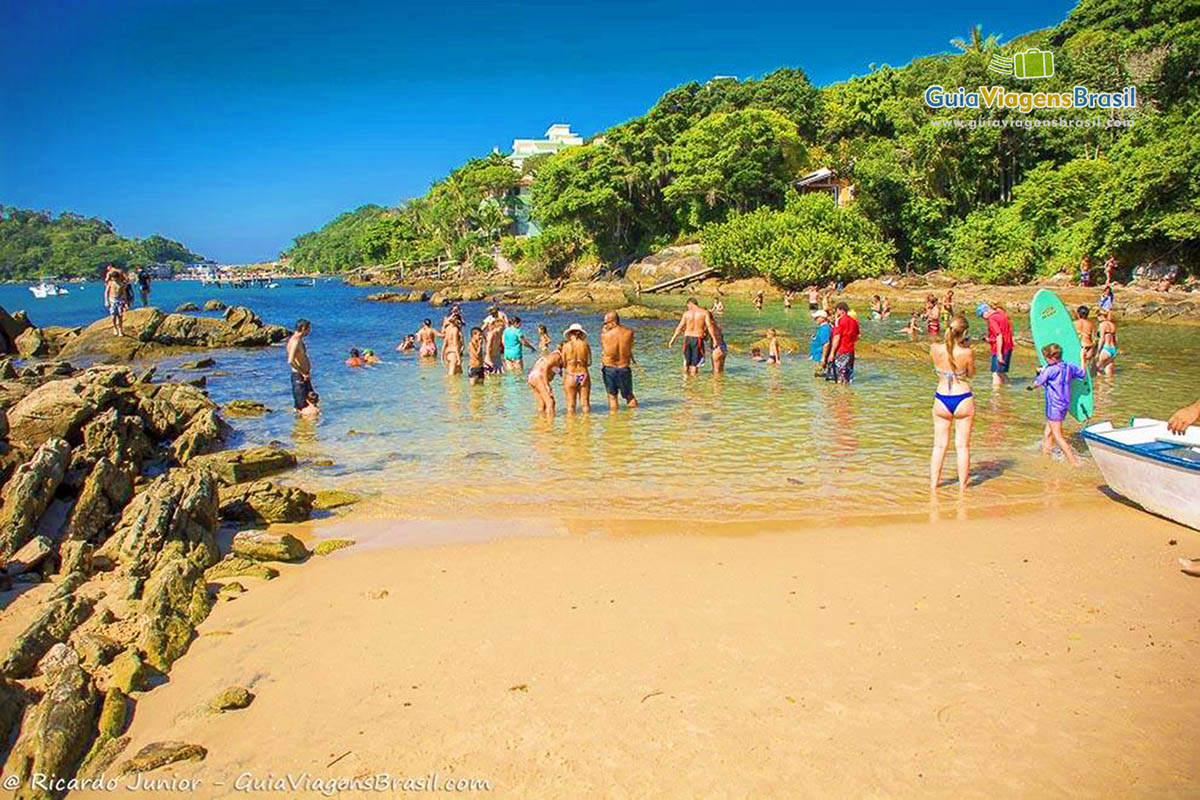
(1148, 465)
(43, 290)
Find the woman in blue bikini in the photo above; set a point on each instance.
(953, 404)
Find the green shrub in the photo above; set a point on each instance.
(809, 241)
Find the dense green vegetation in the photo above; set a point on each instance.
(982, 193)
(35, 243)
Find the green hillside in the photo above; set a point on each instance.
(36, 243)
(979, 191)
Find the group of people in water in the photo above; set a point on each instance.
(499, 346)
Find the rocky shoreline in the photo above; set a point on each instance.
(117, 499)
(1138, 300)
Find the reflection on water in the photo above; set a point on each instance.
(762, 442)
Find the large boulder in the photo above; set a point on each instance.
(12, 707)
(32, 344)
(204, 434)
(263, 501)
(175, 514)
(59, 408)
(149, 331)
(28, 493)
(169, 408)
(673, 262)
(11, 328)
(58, 731)
(60, 614)
(106, 490)
(249, 464)
(121, 438)
(174, 601)
(215, 305)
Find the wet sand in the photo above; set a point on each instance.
(1042, 655)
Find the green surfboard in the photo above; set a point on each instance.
(1051, 323)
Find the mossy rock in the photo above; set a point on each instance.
(127, 672)
(334, 498)
(237, 567)
(264, 546)
(159, 754)
(327, 546)
(245, 408)
(231, 698)
(230, 591)
(114, 713)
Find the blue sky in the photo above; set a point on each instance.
(235, 125)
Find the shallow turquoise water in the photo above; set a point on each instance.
(758, 443)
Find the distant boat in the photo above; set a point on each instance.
(43, 290)
(306, 284)
(1152, 467)
(272, 285)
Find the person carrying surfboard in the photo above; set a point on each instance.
(1056, 379)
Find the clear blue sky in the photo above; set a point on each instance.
(234, 125)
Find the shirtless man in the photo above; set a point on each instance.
(493, 345)
(301, 369)
(616, 356)
(426, 336)
(1086, 329)
(1107, 356)
(695, 323)
(452, 351)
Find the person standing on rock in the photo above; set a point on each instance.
(616, 358)
(143, 280)
(114, 299)
(695, 324)
(298, 363)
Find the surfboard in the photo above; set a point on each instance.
(1051, 323)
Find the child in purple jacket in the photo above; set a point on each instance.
(1056, 377)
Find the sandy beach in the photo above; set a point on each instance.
(1042, 655)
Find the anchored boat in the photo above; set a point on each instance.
(44, 289)
(1149, 465)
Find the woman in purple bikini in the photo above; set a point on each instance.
(953, 403)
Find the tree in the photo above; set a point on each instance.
(733, 162)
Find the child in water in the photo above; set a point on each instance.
(756, 354)
(772, 347)
(475, 366)
(369, 357)
(355, 359)
(1056, 378)
(543, 339)
(312, 406)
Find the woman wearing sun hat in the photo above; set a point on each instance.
(577, 357)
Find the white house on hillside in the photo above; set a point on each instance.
(558, 136)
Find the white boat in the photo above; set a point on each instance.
(1149, 465)
(44, 289)
(272, 285)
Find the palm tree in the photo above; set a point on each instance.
(976, 42)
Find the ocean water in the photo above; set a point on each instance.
(760, 443)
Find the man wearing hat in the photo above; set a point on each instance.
(1000, 337)
(818, 347)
